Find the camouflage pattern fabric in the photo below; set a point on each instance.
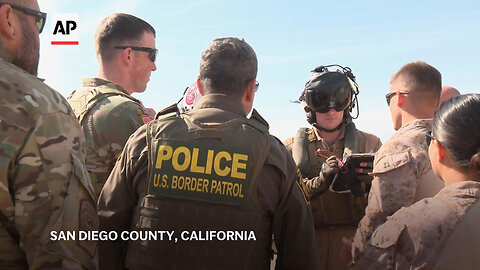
(44, 185)
(414, 236)
(399, 166)
(108, 117)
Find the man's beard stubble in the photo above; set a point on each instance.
(28, 53)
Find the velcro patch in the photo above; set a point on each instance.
(146, 118)
(200, 171)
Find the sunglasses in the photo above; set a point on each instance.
(391, 94)
(41, 16)
(152, 52)
(257, 84)
(429, 137)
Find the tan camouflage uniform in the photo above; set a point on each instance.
(414, 236)
(400, 167)
(108, 117)
(335, 215)
(44, 185)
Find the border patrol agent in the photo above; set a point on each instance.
(210, 169)
(329, 95)
(108, 114)
(44, 185)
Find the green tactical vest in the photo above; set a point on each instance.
(203, 178)
(329, 208)
(82, 103)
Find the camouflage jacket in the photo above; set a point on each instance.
(414, 237)
(400, 166)
(108, 116)
(44, 186)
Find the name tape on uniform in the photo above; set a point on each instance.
(199, 171)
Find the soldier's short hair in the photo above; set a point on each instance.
(227, 66)
(119, 29)
(420, 78)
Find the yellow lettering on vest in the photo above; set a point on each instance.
(174, 182)
(237, 164)
(229, 189)
(164, 153)
(156, 180)
(181, 182)
(213, 186)
(236, 189)
(164, 181)
(187, 183)
(219, 188)
(205, 185)
(216, 163)
(208, 166)
(195, 168)
(175, 162)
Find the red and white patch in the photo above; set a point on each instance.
(191, 96)
(146, 118)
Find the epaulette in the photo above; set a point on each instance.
(168, 110)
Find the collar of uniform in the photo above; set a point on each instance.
(463, 189)
(222, 102)
(96, 82)
(418, 123)
(336, 142)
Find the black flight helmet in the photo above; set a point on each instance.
(329, 89)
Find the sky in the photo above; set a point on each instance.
(290, 38)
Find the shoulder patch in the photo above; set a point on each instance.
(301, 185)
(388, 163)
(146, 118)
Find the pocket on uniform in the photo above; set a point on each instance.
(387, 235)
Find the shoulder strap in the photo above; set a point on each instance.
(351, 144)
(300, 150)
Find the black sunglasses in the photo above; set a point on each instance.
(152, 52)
(257, 84)
(429, 137)
(391, 94)
(41, 16)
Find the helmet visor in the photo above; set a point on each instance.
(323, 101)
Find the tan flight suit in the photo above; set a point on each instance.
(108, 116)
(336, 215)
(423, 235)
(402, 175)
(44, 185)
(208, 169)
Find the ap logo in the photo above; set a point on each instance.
(65, 29)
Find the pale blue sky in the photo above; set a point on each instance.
(373, 38)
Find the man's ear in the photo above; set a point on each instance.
(127, 56)
(7, 30)
(400, 99)
(250, 92)
(440, 150)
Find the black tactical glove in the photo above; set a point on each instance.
(330, 170)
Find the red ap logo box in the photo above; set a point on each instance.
(64, 29)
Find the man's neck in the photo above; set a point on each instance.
(329, 137)
(114, 75)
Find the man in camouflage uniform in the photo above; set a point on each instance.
(439, 232)
(327, 100)
(108, 114)
(209, 169)
(402, 170)
(44, 185)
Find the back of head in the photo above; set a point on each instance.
(456, 126)
(447, 93)
(118, 29)
(227, 66)
(422, 81)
